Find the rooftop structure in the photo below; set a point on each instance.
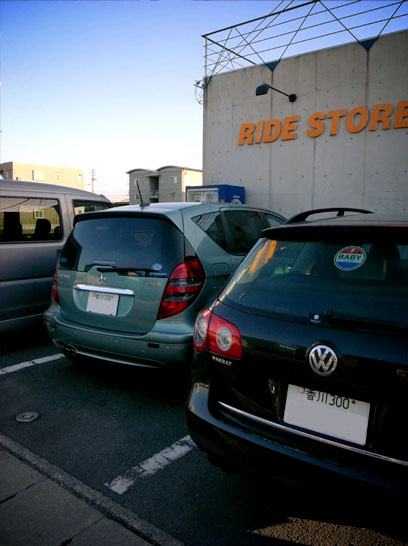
(296, 27)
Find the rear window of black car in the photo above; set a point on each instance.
(124, 242)
(363, 282)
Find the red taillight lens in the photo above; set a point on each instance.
(183, 286)
(54, 288)
(217, 335)
(224, 338)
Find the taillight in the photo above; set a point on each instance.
(54, 288)
(183, 287)
(201, 329)
(217, 335)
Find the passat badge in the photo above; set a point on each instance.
(323, 360)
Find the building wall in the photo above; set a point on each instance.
(139, 176)
(289, 163)
(191, 178)
(62, 176)
(171, 183)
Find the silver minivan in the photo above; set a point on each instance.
(35, 221)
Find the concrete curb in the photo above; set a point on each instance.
(107, 507)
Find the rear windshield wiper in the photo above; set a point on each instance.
(107, 268)
(338, 319)
(87, 267)
(130, 269)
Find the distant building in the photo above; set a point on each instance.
(118, 200)
(63, 176)
(166, 184)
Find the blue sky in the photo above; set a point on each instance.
(107, 85)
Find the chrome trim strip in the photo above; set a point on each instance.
(104, 290)
(284, 428)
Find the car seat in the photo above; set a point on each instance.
(42, 229)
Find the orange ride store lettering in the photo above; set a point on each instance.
(380, 117)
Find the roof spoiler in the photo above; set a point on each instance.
(302, 216)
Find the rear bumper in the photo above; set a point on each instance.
(153, 350)
(234, 445)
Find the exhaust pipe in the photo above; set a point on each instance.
(69, 351)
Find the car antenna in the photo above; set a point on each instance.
(143, 204)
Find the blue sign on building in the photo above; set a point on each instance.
(216, 193)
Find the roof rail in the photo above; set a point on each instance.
(301, 217)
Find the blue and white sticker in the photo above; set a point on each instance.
(350, 258)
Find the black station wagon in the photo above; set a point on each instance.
(301, 363)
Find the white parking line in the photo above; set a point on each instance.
(28, 363)
(149, 467)
(124, 516)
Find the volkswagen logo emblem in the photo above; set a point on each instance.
(101, 279)
(323, 360)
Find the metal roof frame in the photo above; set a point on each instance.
(295, 27)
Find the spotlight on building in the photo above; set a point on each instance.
(264, 88)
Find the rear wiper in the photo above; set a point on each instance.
(338, 319)
(87, 267)
(129, 269)
(107, 268)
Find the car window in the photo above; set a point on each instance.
(273, 220)
(24, 219)
(212, 224)
(351, 278)
(236, 231)
(124, 242)
(244, 228)
(83, 205)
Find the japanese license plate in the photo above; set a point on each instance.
(102, 303)
(329, 414)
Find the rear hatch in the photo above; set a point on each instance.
(114, 268)
(294, 298)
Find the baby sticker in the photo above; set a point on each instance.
(350, 258)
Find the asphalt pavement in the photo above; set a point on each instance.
(40, 505)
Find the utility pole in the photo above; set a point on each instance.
(93, 180)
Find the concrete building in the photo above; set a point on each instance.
(343, 141)
(166, 184)
(74, 178)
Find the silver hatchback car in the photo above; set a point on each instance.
(131, 280)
